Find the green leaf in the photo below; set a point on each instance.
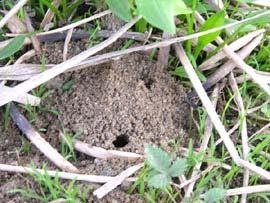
(215, 20)
(159, 181)
(159, 13)
(180, 71)
(120, 8)
(178, 167)
(180, 7)
(158, 159)
(266, 110)
(214, 195)
(14, 46)
(53, 8)
(240, 28)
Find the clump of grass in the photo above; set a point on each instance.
(67, 147)
(47, 189)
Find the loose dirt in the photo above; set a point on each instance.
(119, 105)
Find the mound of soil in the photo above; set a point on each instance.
(124, 104)
(119, 105)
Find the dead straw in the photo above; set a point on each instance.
(12, 12)
(244, 133)
(62, 175)
(39, 142)
(45, 76)
(117, 180)
(206, 137)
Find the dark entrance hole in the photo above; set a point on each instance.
(121, 141)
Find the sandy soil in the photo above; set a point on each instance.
(119, 105)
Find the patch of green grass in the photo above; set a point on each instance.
(62, 13)
(47, 189)
(6, 118)
(67, 146)
(25, 146)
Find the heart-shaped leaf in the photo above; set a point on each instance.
(159, 181)
(178, 167)
(214, 195)
(158, 159)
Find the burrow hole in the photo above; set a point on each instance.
(121, 141)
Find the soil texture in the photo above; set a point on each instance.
(119, 105)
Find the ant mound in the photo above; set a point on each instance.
(124, 104)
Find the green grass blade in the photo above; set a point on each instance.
(14, 46)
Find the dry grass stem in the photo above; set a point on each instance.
(39, 142)
(78, 23)
(248, 69)
(258, 170)
(236, 45)
(264, 128)
(206, 137)
(244, 133)
(248, 190)
(35, 41)
(193, 178)
(26, 56)
(26, 99)
(49, 14)
(80, 34)
(240, 63)
(62, 175)
(164, 52)
(12, 12)
(117, 180)
(207, 103)
(226, 68)
(67, 40)
(15, 25)
(101, 153)
(45, 76)
(21, 72)
(264, 3)
(61, 200)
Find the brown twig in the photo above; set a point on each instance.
(33, 37)
(163, 54)
(80, 34)
(67, 40)
(101, 153)
(49, 14)
(39, 142)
